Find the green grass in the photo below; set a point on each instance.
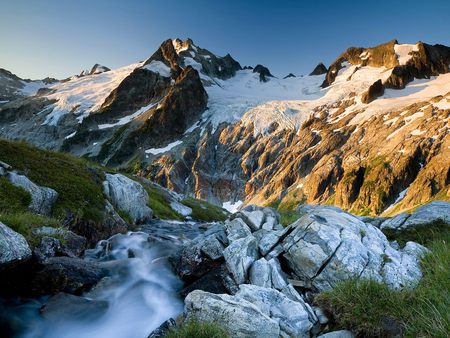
(77, 181)
(194, 329)
(25, 222)
(287, 217)
(160, 205)
(13, 199)
(204, 211)
(365, 306)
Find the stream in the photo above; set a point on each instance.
(141, 293)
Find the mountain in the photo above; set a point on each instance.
(368, 134)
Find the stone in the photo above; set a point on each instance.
(278, 276)
(268, 241)
(181, 208)
(427, 214)
(394, 222)
(212, 247)
(42, 198)
(72, 245)
(162, 330)
(129, 196)
(260, 273)
(292, 316)
(48, 247)
(14, 248)
(239, 317)
(338, 334)
(236, 229)
(63, 306)
(239, 256)
(323, 319)
(254, 219)
(328, 245)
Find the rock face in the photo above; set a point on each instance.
(129, 196)
(42, 198)
(264, 73)
(13, 247)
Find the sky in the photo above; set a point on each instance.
(59, 38)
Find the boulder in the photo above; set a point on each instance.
(161, 331)
(338, 334)
(63, 306)
(69, 243)
(236, 229)
(129, 196)
(13, 247)
(292, 316)
(239, 256)
(328, 245)
(239, 317)
(42, 198)
(260, 273)
(437, 211)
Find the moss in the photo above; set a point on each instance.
(287, 217)
(77, 181)
(195, 329)
(25, 222)
(204, 211)
(125, 216)
(13, 199)
(366, 306)
(160, 205)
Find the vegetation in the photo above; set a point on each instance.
(14, 199)
(287, 207)
(195, 329)
(369, 308)
(204, 211)
(158, 202)
(77, 181)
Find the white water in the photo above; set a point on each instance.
(142, 291)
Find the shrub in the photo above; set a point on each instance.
(195, 329)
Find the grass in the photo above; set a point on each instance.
(77, 181)
(13, 199)
(25, 222)
(159, 204)
(287, 217)
(365, 307)
(204, 211)
(195, 329)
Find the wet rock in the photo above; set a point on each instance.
(237, 316)
(129, 196)
(239, 256)
(70, 244)
(162, 330)
(64, 274)
(48, 247)
(63, 306)
(42, 198)
(14, 248)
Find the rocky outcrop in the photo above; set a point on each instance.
(264, 73)
(129, 196)
(375, 90)
(42, 198)
(276, 269)
(319, 69)
(14, 248)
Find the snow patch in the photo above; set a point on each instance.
(158, 67)
(156, 151)
(403, 52)
(232, 207)
(128, 118)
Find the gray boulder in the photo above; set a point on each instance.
(260, 273)
(64, 242)
(328, 245)
(437, 211)
(292, 316)
(239, 257)
(338, 334)
(129, 196)
(13, 247)
(42, 198)
(239, 317)
(236, 229)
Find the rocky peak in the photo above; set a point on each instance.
(289, 75)
(263, 72)
(97, 69)
(319, 70)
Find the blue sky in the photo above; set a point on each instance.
(59, 38)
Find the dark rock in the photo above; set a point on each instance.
(319, 70)
(14, 248)
(162, 330)
(247, 67)
(374, 91)
(289, 75)
(63, 306)
(263, 72)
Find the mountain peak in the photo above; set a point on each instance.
(319, 70)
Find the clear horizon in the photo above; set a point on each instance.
(59, 39)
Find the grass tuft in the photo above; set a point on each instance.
(204, 211)
(195, 329)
